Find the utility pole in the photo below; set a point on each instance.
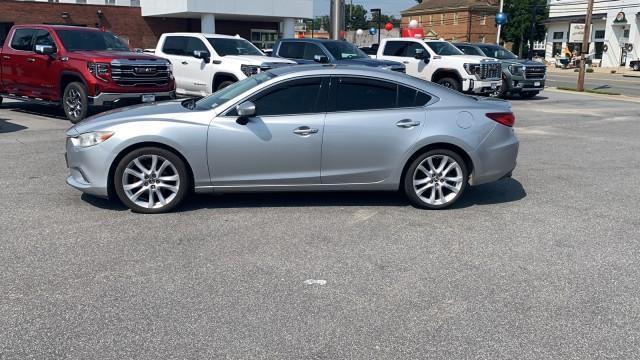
(532, 31)
(585, 47)
(379, 11)
(499, 25)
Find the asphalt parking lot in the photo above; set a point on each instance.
(541, 266)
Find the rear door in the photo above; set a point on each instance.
(404, 52)
(370, 125)
(279, 146)
(14, 60)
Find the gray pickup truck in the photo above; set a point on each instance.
(519, 76)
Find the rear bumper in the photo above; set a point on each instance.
(113, 98)
(496, 157)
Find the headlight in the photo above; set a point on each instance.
(170, 69)
(250, 70)
(100, 70)
(472, 69)
(91, 139)
(516, 69)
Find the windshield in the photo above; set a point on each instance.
(497, 52)
(443, 48)
(218, 98)
(78, 40)
(225, 46)
(342, 50)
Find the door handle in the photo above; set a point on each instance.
(305, 131)
(185, 63)
(5, 57)
(31, 60)
(407, 124)
(405, 62)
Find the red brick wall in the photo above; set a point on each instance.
(127, 22)
(460, 30)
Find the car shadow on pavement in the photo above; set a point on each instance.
(504, 191)
(35, 109)
(6, 126)
(518, 98)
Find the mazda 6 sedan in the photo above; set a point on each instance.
(305, 128)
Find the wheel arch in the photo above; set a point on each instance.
(220, 77)
(67, 77)
(114, 164)
(443, 73)
(468, 161)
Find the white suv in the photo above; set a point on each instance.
(206, 63)
(443, 63)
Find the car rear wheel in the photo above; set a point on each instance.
(436, 180)
(529, 94)
(151, 180)
(75, 102)
(450, 83)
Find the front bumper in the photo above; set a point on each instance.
(113, 98)
(481, 86)
(87, 170)
(522, 85)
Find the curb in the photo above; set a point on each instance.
(601, 96)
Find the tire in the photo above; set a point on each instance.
(135, 187)
(425, 180)
(504, 90)
(0, 100)
(75, 102)
(224, 84)
(636, 67)
(529, 94)
(451, 83)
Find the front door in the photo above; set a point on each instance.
(371, 124)
(281, 145)
(188, 70)
(43, 79)
(15, 59)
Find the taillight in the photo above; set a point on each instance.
(506, 119)
(100, 70)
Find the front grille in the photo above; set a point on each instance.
(490, 71)
(535, 72)
(143, 73)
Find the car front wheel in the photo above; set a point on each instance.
(436, 180)
(75, 102)
(151, 180)
(451, 83)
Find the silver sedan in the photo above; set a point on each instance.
(306, 128)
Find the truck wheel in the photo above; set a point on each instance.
(75, 102)
(450, 83)
(224, 84)
(0, 100)
(504, 90)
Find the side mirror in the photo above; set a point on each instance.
(419, 54)
(204, 55)
(322, 59)
(245, 110)
(45, 50)
(138, 50)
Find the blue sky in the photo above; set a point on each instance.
(391, 7)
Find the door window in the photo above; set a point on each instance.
(182, 45)
(292, 50)
(43, 37)
(311, 50)
(411, 50)
(408, 97)
(22, 40)
(295, 97)
(354, 94)
(469, 50)
(396, 48)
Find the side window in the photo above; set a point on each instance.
(469, 50)
(291, 50)
(175, 45)
(412, 47)
(408, 97)
(22, 40)
(195, 44)
(396, 48)
(354, 94)
(291, 98)
(311, 50)
(43, 38)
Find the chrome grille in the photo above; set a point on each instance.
(140, 73)
(535, 72)
(490, 71)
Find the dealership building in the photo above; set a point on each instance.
(141, 22)
(614, 37)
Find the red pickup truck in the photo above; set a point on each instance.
(77, 67)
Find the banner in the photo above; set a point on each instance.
(576, 33)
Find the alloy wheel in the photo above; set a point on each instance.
(438, 180)
(73, 103)
(151, 181)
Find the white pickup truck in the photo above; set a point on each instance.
(443, 63)
(206, 63)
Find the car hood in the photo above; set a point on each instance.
(129, 55)
(522, 62)
(168, 110)
(257, 60)
(369, 62)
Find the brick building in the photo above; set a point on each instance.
(141, 22)
(455, 20)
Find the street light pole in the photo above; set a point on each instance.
(379, 11)
(585, 46)
(500, 25)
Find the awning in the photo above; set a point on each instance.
(574, 19)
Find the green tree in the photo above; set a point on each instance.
(355, 17)
(517, 30)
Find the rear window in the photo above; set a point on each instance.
(182, 45)
(22, 39)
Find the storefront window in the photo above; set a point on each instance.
(557, 49)
(264, 39)
(558, 35)
(599, 50)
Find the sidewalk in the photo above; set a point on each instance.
(597, 70)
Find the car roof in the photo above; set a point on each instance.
(56, 27)
(321, 41)
(207, 35)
